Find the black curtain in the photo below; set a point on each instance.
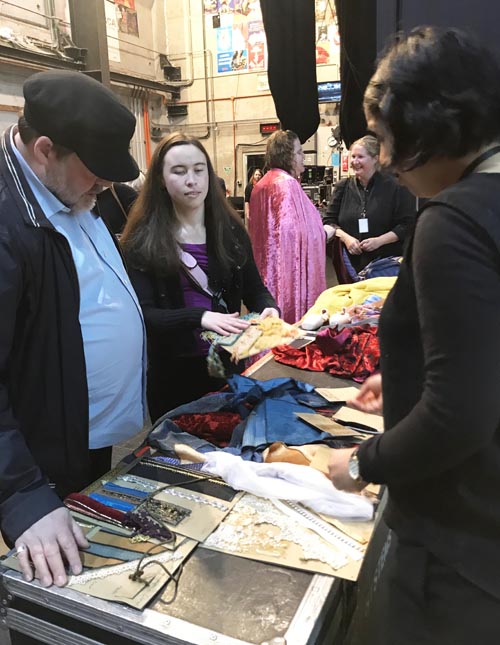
(291, 44)
(358, 51)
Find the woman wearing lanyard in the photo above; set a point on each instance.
(369, 212)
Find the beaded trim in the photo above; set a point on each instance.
(176, 462)
(151, 486)
(195, 498)
(141, 483)
(166, 512)
(176, 469)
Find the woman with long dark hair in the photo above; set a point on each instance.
(192, 266)
(255, 177)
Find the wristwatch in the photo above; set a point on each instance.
(353, 467)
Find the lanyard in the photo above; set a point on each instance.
(363, 199)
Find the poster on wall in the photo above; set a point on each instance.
(225, 6)
(127, 17)
(224, 37)
(239, 62)
(256, 45)
(112, 32)
(327, 33)
(249, 8)
(232, 51)
(224, 62)
(322, 44)
(210, 6)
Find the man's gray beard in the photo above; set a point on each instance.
(84, 203)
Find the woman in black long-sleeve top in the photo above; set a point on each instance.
(370, 212)
(192, 266)
(434, 103)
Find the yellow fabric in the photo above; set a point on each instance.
(345, 295)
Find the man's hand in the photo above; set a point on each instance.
(47, 545)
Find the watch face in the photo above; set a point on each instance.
(354, 467)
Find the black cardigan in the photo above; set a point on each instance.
(440, 356)
(170, 324)
(389, 207)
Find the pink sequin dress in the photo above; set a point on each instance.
(288, 241)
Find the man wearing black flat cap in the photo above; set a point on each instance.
(71, 330)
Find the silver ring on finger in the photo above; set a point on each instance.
(21, 548)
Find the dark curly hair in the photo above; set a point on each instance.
(437, 94)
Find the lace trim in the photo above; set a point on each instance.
(246, 530)
(336, 538)
(105, 572)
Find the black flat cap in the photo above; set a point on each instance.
(79, 113)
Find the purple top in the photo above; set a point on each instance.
(192, 296)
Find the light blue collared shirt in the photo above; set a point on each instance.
(110, 319)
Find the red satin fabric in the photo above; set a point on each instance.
(352, 353)
(91, 507)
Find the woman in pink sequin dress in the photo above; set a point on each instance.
(286, 230)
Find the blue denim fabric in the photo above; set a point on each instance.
(275, 420)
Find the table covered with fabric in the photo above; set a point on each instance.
(220, 598)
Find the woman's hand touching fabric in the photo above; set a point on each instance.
(223, 324)
(270, 312)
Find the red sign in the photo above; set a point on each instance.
(269, 128)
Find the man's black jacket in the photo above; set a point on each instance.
(43, 386)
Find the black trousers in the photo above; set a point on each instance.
(100, 462)
(428, 603)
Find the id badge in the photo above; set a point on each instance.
(363, 225)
